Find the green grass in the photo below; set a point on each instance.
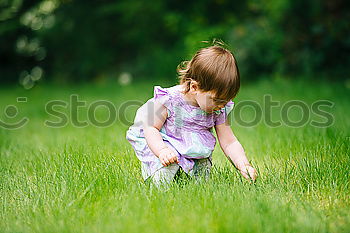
(88, 179)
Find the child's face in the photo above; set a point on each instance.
(208, 102)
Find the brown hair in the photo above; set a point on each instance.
(215, 69)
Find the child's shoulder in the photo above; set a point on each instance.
(170, 92)
(174, 88)
(168, 96)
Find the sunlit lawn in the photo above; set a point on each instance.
(87, 179)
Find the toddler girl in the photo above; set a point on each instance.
(174, 128)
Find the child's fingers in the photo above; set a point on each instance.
(172, 157)
(176, 159)
(245, 175)
(163, 163)
(166, 161)
(248, 175)
(168, 158)
(254, 176)
(252, 173)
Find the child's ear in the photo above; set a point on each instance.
(194, 85)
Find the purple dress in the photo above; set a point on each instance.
(188, 130)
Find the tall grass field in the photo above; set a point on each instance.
(80, 174)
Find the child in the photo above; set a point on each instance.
(174, 128)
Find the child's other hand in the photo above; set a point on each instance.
(167, 156)
(248, 172)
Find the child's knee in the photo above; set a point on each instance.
(201, 169)
(165, 175)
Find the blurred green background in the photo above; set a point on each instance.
(88, 179)
(77, 41)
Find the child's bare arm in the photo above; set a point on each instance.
(234, 150)
(155, 118)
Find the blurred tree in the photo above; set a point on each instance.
(318, 37)
(75, 40)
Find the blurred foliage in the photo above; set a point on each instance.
(76, 40)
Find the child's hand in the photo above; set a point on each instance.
(167, 156)
(248, 172)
